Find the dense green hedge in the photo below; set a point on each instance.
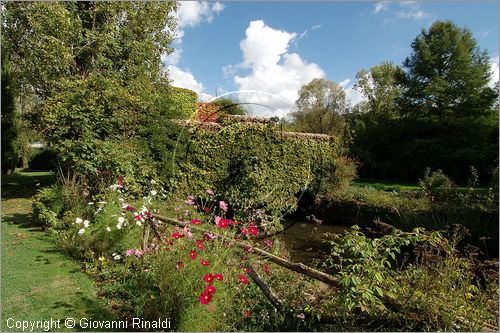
(256, 169)
(184, 101)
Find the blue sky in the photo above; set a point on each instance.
(279, 46)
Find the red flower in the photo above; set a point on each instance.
(207, 209)
(244, 231)
(208, 278)
(195, 221)
(192, 254)
(222, 223)
(199, 243)
(268, 242)
(210, 289)
(130, 208)
(205, 297)
(120, 181)
(247, 270)
(267, 270)
(204, 262)
(219, 277)
(138, 217)
(243, 279)
(179, 265)
(177, 235)
(253, 230)
(247, 313)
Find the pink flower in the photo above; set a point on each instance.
(244, 231)
(139, 253)
(208, 236)
(243, 279)
(210, 289)
(208, 278)
(187, 232)
(268, 242)
(210, 192)
(190, 200)
(205, 297)
(176, 235)
(267, 270)
(129, 252)
(253, 230)
(247, 313)
(192, 254)
(223, 206)
(220, 222)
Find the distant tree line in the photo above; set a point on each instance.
(437, 110)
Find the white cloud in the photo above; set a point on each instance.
(316, 27)
(412, 11)
(188, 15)
(494, 70)
(380, 6)
(273, 71)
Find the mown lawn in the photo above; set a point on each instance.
(39, 281)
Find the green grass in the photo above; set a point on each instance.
(391, 185)
(39, 281)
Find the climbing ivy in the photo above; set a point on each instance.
(260, 171)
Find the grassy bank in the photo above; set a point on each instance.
(39, 281)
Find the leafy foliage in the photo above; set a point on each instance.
(256, 168)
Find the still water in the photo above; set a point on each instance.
(306, 240)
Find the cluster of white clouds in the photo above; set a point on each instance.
(188, 15)
(269, 74)
(407, 9)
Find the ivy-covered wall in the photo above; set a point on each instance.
(184, 101)
(256, 168)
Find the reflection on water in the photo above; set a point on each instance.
(305, 240)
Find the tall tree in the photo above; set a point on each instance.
(379, 86)
(96, 70)
(446, 74)
(321, 105)
(10, 125)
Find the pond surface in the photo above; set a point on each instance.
(306, 240)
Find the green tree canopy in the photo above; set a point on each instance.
(379, 86)
(446, 74)
(321, 104)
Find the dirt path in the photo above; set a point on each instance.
(39, 281)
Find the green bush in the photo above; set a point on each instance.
(437, 186)
(44, 159)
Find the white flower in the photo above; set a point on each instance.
(121, 199)
(81, 231)
(119, 225)
(117, 257)
(153, 193)
(138, 223)
(124, 206)
(78, 220)
(108, 229)
(90, 203)
(86, 223)
(121, 220)
(153, 181)
(102, 202)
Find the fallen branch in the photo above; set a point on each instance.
(296, 267)
(266, 290)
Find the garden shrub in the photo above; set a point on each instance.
(43, 159)
(437, 186)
